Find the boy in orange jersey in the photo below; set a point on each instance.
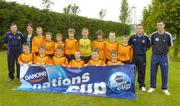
(114, 60)
(77, 62)
(26, 57)
(59, 41)
(37, 41)
(95, 61)
(125, 51)
(58, 58)
(71, 45)
(99, 44)
(111, 45)
(41, 59)
(49, 45)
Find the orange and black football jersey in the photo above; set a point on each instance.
(59, 60)
(42, 60)
(71, 45)
(100, 46)
(25, 58)
(74, 63)
(49, 47)
(36, 42)
(114, 63)
(56, 44)
(109, 48)
(125, 53)
(96, 63)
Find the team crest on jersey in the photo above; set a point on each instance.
(143, 41)
(157, 39)
(19, 37)
(134, 39)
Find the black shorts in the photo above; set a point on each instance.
(86, 59)
(50, 55)
(36, 53)
(106, 61)
(126, 62)
(70, 57)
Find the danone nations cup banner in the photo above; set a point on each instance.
(109, 81)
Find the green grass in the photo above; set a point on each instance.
(9, 97)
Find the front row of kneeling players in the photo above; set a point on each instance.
(59, 59)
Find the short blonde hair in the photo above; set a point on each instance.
(59, 34)
(71, 30)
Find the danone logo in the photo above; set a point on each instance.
(119, 82)
(35, 75)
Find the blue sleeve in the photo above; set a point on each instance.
(130, 41)
(22, 38)
(151, 38)
(148, 45)
(170, 41)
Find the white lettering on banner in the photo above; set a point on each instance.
(36, 86)
(95, 88)
(122, 85)
(99, 88)
(46, 85)
(59, 82)
(35, 75)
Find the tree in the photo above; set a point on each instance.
(167, 10)
(47, 4)
(102, 13)
(67, 9)
(124, 12)
(75, 9)
(72, 9)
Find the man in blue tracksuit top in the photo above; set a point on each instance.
(13, 41)
(160, 41)
(140, 44)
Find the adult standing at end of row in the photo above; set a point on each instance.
(13, 41)
(160, 41)
(140, 43)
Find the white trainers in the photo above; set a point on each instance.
(151, 90)
(143, 89)
(166, 92)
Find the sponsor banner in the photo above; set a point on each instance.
(109, 81)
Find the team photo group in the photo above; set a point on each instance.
(43, 48)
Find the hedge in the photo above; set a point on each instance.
(52, 21)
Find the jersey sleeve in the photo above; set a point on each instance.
(33, 45)
(131, 54)
(19, 58)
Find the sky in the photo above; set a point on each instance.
(91, 8)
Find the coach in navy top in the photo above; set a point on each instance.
(13, 41)
(161, 41)
(140, 44)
